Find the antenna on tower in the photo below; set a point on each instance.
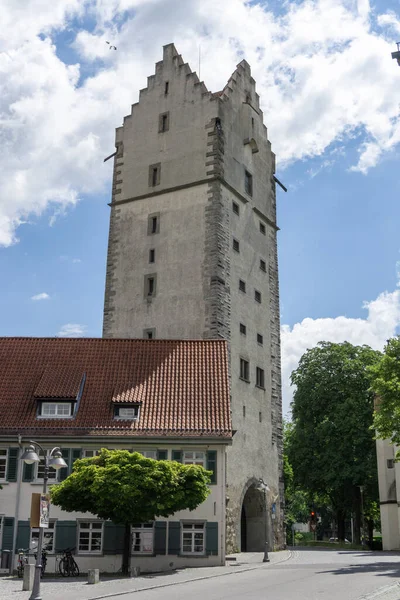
(199, 61)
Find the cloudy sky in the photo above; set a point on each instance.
(330, 94)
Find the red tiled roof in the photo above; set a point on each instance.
(182, 385)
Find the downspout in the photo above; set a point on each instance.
(223, 507)
(17, 502)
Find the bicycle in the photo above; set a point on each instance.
(44, 561)
(67, 565)
(22, 561)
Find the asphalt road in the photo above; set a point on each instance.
(308, 575)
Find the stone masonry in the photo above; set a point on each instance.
(194, 209)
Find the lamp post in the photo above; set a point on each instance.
(362, 514)
(263, 487)
(55, 460)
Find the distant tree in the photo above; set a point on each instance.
(296, 499)
(126, 488)
(386, 385)
(331, 448)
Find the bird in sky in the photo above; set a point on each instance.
(111, 46)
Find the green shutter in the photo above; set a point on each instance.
(162, 454)
(160, 537)
(177, 455)
(76, 453)
(8, 533)
(65, 470)
(23, 535)
(212, 464)
(65, 535)
(113, 542)
(28, 471)
(174, 537)
(212, 538)
(12, 467)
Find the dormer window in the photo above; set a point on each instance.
(55, 410)
(129, 413)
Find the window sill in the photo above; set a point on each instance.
(245, 380)
(42, 417)
(260, 387)
(188, 555)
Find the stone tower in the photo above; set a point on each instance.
(193, 254)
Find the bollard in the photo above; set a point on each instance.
(29, 576)
(266, 558)
(93, 576)
(135, 571)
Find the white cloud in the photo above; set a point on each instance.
(322, 71)
(72, 330)
(42, 296)
(389, 19)
(381, 322)
(76, 260)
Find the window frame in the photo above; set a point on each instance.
(262, 228)
(194, 461)
(52, 529)
(242, 329)
(144, 452)
(138, 529)
(248, 183)
(91, 522)
(85, 450)
(235, 208)
(154, 175)
(236, 245)
(263, 265)
(192, 527)
(166, 88)
(118, 417)
(56, 404)
(152, 256)
(5, 458)
(53, 474)
(242, 286)
(147, 278)
(390, 461)
(163, 122)
(244, 369)
(258, 296)
(151, 331)
(260, 339)
(260, 378)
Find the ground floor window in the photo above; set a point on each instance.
(1, 529)
(90, 536)
(193, 536)
(143, 538)
(3, 463)
(90, 453)
(48, 537)
(149, 454)
(194, 458)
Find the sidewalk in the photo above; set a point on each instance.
(78, 589)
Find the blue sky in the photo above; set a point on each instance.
(329, 92)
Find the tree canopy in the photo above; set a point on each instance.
(127, 488)
(332, 448)
(386, 385)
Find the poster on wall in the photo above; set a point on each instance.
(44, 513)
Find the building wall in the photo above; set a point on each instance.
(388, 495)
(212, 140)
(211, 511)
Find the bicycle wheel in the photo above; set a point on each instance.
(74, 568)
(63, 567)
(20, 571)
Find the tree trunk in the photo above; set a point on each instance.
(370, 526)
(357, 515)
(127, 549)
(340, 525)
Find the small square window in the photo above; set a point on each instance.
(244, 369)
(260, 339)
(130, 413)
(262, 228)
(257, 296)
(163, 122)
(152, 253)
(242, 285)
(235, 208)
(390, 463)
(149, 334)
(242, 328)
(248, 183)
(57, 410)
(260, 381)
(166, 88)
(263, 265)
(153, 224)
(154, 175)
(236, 245)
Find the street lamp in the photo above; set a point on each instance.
(55, 460)
(263, 487)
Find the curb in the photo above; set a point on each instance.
(384, 590)
(164, 585)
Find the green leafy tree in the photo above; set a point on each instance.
(332, 448)
(127, 488)
(296, 500)
(386, 385)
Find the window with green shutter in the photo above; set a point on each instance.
(212, 538)
(113, 542)
(176, 455)
(160, 537)
(76, 454)
(212, 465)
(65, 535)
(12, 467)
(174, 537)
(162, 454)
(8, 533)
(23, 535)
(28, 472)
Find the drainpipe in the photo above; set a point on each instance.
(17, 501)
(223, 506)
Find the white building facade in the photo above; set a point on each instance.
(389, 494)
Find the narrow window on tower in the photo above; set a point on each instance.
(244, 369)
(235, 208)
(248, 183)
(154, 175)
(150, 285)
(257, 296)
(163, 122)
(236, 245)
(260, 339)
(263, 265)
(152, 255)
(242, 286)
(153, 226)
(149, 334)
(166, 88)
(260, 380)
(242, 327)
(262, 228)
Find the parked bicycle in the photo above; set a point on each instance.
(67, 565)
(22, 561)
(44, 561)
